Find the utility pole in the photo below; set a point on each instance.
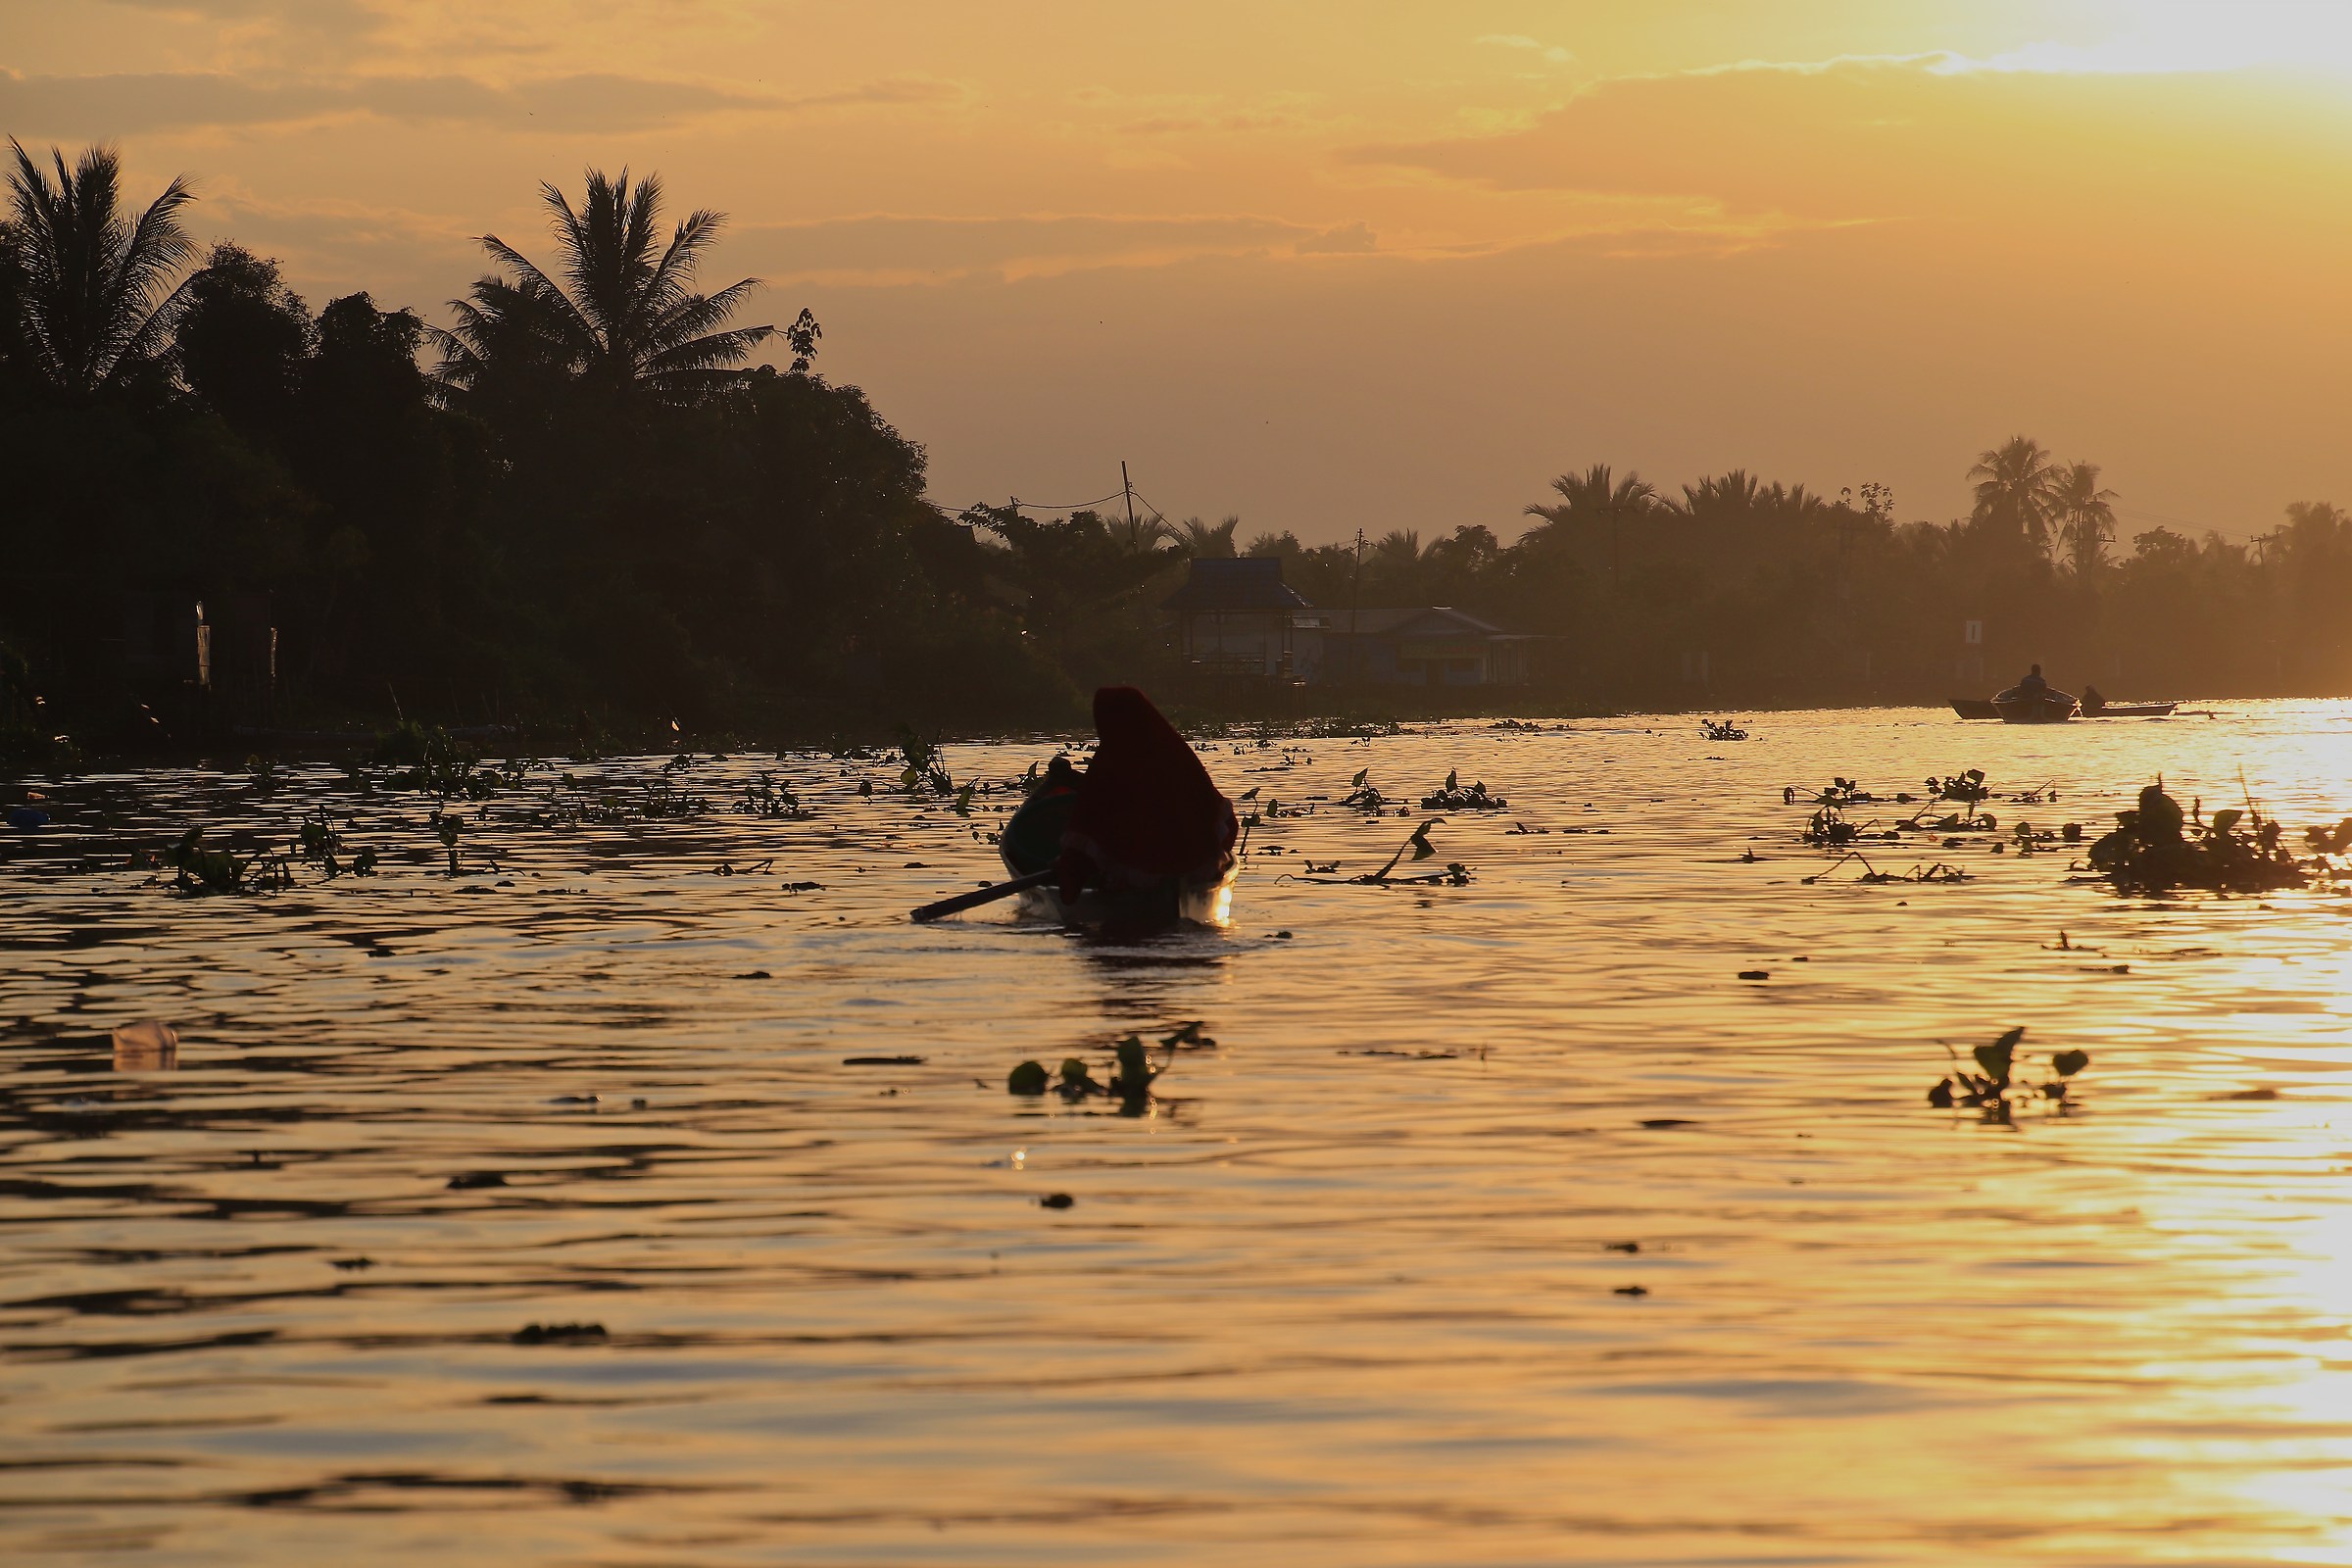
(1356, 596)
(1127, 489)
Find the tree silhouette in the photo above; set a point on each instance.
(243, 340)
(623, 318)
(1206, 541)
(2016, 490)
(94, 303)
(1593, 503)
(2083, 515)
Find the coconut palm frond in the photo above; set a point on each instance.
(97, 296)
(616, 309)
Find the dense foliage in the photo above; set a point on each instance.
(579, 506)
(582, 504)
(1739, 593)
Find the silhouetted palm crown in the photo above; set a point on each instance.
(624, 317)
(94, 303)
(2016, 485)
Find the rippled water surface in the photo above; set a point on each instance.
(1354, 1292)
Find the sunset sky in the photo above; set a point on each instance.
(1340, 264)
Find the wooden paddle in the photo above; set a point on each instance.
(979, 896)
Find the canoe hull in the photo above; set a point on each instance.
(1177, 900)
(2132, 710)
(1973, 707)
(2050, 706)
(1031, 840)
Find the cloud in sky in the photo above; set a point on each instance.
(131, 103)
(1551, 54)
(1998, 154)
(886, 249)
(1825, 240)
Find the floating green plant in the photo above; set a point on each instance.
(1453, 797)
(2157, 848)
(206, 871)
(1992, 1087)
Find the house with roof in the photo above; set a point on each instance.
(1237, 620)
(1433, 645)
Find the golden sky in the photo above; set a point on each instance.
(1336, 264)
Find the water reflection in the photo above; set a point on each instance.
(1349, 1293)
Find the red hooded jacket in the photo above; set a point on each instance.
(1146, 806)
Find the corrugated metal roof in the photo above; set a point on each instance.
(1247, 582)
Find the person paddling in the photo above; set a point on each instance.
(1146, 809)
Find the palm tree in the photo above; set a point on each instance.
(1595, 498)
(2084, 518)
(2016, 490)
(624, 317)
(1206, 541)
(94, 301)
(1735, 494)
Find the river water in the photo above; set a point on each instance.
(1360, 1287)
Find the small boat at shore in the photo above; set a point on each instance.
(2130, 711)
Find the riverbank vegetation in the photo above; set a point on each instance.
(590, 504)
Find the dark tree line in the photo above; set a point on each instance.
(583, 501)
(1738, 592)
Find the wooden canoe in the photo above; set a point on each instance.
(1032, 841)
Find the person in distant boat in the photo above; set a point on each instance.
(2033, 685)
(1146, 809)
(2092, 702)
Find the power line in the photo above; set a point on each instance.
(1030, 506)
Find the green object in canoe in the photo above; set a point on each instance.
(1032, 839)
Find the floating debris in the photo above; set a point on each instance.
(1723, 730)
(882, 1062)
(203, 871)
(2157, 848)
(763, 798)
(1939, 872)
(1453, 798)
(1990, 1089)
(1837, 792)
(1056, 1200)
(1418, 847)
(559, 1334)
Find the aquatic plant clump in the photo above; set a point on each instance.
(1453, 797)
(2157, 848)
(1992, 1088)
